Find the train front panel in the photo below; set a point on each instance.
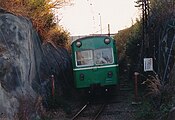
(94, 62)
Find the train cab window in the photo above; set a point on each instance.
(84, 58)
(103, 56)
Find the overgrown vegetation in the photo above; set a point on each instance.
(157, 99)
(128, 40)
(42, 17)
(158, 87)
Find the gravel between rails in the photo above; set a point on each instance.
(120, 108)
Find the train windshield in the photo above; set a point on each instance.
(97, 57)
(103, 56)
(84, 58)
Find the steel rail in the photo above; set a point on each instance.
(99, 111)
(80, 111)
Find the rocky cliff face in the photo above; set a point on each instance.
(25, 66)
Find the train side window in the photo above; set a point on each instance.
(84, 58)
(103, 56)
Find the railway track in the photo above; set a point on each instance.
(80, 111)
(99, 111)
(94, 116)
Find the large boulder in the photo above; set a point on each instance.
(26, 67)
(20, 59)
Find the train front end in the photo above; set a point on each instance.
(95, 62)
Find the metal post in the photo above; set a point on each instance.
(136, 88)
(100, 23)
(53, 85)
(109, 30)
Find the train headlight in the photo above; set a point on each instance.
(110, 74)
(78, 44)
(81, 76)
(107, 41)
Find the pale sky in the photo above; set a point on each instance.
(86, 17)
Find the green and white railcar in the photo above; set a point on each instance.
(95, 62)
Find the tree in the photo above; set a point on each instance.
(128, 41)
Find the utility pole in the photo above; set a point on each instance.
(145, 27)
(109, 30)
(144, 4)
(100, 23)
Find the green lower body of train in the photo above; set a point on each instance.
(96, 76)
